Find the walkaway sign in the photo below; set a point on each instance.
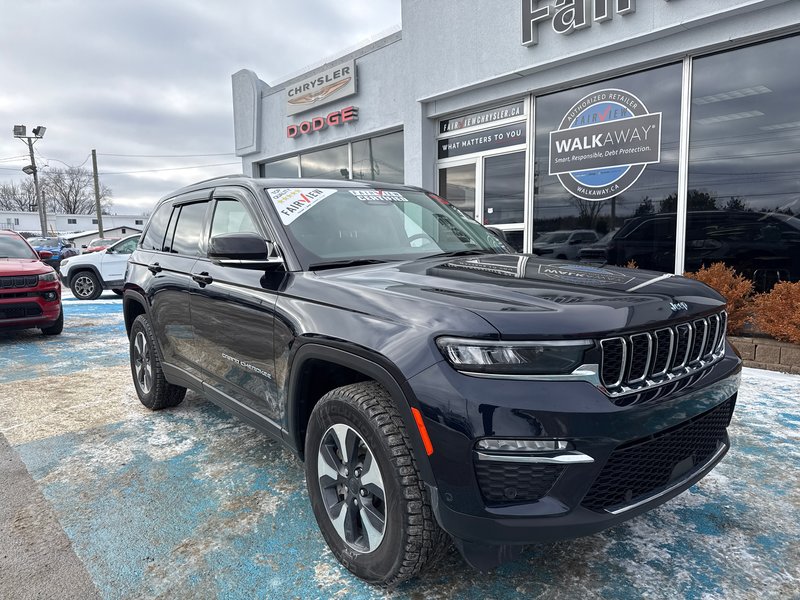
(603, 144)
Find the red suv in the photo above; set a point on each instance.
(30, 293)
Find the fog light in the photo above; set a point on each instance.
(522, 445)
(50, 296)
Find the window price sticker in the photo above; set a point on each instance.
(293, 202)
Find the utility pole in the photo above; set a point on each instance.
(97, 194)
(38, 133)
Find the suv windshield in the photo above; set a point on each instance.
(339, 225)
(14, 247)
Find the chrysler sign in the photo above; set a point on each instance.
(603, 144)
(323, 88)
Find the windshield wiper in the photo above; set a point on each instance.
(337, 264)
(459, 253)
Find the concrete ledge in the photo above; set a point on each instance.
(766, 353)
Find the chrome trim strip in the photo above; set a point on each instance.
(651, 282)
(572, 458)
(699, 357)
(689, 337)
(720, 451)
(588, 373)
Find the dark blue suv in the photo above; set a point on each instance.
(437, 385)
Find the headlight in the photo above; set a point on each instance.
(51, 276)
(514, 358)
(65, 261)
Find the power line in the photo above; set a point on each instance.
(165, 155)
(169, 169)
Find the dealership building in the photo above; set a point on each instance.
(663, 132)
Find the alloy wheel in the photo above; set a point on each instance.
(352, 488)
(141, 363)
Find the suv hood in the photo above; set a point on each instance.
(525, 296)
(22, 266)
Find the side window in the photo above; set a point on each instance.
(154, 237)
(126, 247)
(231, 216)
(189, 229)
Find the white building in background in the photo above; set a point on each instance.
(61, 224)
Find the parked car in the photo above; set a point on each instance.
(98, 244)
(58, 247)
(437, 385)
(596, 253)
(30, 294)
(764, 247)
(87, 275)
(564, 244)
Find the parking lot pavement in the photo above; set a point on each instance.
(189, 502)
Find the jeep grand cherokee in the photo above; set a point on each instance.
(437, 385)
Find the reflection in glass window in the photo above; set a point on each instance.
(379, 158)
(154, 236)
(504, 189)
(744, 167)
(189, 229)
(285, 168)
(652, 197)
(231, 216)
(326, 164)
(457, 185)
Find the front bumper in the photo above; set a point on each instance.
(478, 500)
(25, 308)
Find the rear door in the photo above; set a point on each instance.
(233, 316)
(170, 262)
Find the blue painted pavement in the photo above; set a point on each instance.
(191, 503)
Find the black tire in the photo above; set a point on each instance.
(85, 285)
(154, 391)
(57, 327)
(118, 292)
(411, 538)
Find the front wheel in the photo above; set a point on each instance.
(366, 492)
(57, 327)
(154, 391)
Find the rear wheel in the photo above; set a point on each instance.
(154, 391)
(85, 286)
(366, 492)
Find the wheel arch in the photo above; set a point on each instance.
(81, 268)
(306, 387)
(133, 305)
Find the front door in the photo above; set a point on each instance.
(232, 316)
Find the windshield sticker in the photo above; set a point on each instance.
(378, 196)
(293, 202)
(583, 274)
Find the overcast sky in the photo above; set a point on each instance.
(153, 78)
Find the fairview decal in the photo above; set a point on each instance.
(603, 144)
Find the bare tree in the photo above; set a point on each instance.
(18, 197)
(71, 191)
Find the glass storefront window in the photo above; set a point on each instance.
(617, 172)
(744, 167)
(379, 158)
(331, 163)
(286, 168)
(504, 189)
(457, 185)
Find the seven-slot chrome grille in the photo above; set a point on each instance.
(631, 363)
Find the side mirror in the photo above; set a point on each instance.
(498, 233)
(244, 250)
(45, 254)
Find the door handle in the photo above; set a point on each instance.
(203, 278)
(154, 268)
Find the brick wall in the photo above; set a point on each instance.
(766, 353)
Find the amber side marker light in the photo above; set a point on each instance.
(423, 433)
